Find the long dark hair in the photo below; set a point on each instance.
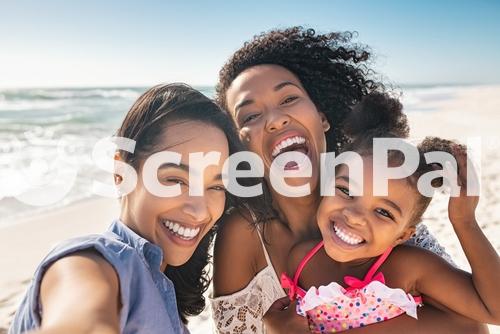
(333, 70)
(144, 123)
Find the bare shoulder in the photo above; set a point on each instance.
(407, 264)
(413, 256)
(298, 252)
(82, 265)
(85, 283)
(237, 253)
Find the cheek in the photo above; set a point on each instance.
(252, 139)
(326, 206)
(329, 204)
(216, 204)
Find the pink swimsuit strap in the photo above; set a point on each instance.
(351, 281)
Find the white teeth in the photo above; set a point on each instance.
(183, 232)
(286, 143)
(346, 236)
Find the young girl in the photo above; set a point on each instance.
(147, 272)
(361, 273)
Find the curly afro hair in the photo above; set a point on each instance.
(377, 113)
(332, 69)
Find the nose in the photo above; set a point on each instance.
(276, 121)
(197, 210)
(354, 216)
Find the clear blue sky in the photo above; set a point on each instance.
(103, 43)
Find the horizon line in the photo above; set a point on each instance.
(201, 85)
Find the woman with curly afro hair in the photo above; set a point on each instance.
(291, 90)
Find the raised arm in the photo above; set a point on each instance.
(80, 294)
(476, 296)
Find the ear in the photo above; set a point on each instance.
(118, 179)
(245, 135)
(324, 122)
(406, 234)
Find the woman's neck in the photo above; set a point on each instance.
(299, 214)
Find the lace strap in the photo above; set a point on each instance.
(266, 254)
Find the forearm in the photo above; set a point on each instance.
(64, 329)
(485, 265)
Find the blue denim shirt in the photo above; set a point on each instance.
(147, 295)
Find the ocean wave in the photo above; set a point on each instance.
(63, 94)
(23, 105)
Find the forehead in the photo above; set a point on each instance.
(186, 137)
(399, 190)
(257, 81)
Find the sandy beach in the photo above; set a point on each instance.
(472, 111)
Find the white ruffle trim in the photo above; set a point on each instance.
(375, 289)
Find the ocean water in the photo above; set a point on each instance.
(47, 137)
(46, 142)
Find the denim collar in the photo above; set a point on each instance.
(152, 254)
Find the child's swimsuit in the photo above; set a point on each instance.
(332, 308)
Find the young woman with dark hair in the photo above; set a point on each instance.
(148, 272)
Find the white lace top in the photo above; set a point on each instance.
(242, 311)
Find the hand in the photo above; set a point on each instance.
(462, 209)
(282, 318)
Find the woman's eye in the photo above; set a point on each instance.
(384, 213)
(218, 188)
(344, 191)
(250, 118)
(289, 99)
(174, 181)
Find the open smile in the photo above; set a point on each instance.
(181, 234)
(345, 238)
(291, 143)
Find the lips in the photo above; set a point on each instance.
(181, 231)
(286, 144)
(290, 142)
(345, 237)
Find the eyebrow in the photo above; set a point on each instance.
(348, 180)
(185, 168)
(181, 166)
(284, 84)
(275, 88)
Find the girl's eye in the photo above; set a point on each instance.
(289, 99)
(250, 118)
(344, 191)
(384, 213)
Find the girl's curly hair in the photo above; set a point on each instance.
(379, 115)
(332, 69)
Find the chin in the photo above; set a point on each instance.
(179, 261)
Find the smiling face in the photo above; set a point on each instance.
(274, 115)
(361, 227)
(177, 224)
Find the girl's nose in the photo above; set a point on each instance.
(197, 209)
(276, 121)
(355, 215)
